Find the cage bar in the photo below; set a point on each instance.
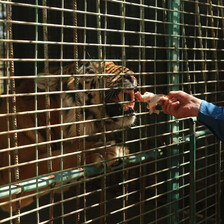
(173, 42)
(167, 170)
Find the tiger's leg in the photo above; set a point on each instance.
(111, 155)
(115, 154)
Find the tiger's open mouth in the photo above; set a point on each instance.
(126, 98)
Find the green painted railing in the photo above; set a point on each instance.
(193, 136)
(72, 175)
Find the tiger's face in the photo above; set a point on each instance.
(105, 97)
(119, 83)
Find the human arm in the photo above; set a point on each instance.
(187, 105)
(213, 117)
(181, 104)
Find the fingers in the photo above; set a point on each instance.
(164, 105)
(170, 107)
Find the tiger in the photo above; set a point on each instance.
(80, 110)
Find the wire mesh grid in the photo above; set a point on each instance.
(74, 146)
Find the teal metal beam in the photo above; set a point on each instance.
(72, 175)
(193, 136)
(173, 41)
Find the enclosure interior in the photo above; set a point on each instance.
(173, 172)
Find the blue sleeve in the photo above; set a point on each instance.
(213, 117)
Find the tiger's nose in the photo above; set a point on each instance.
(130, 77)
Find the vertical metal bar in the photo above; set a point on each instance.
(36, 108)
(47, 102)
(206, 55)
(10, 66)
(141, 80)
(124, 133)
(75, 35)
(194, 52)
(8, 109)
(122, 12)
(203, 65)
(11, 70)
(99, 39)
(184, 67)
(75, 39)
(105, 26)
(142, 134)
(214, 45)
(192, 172)
(45, 36)
(173, 67)
(219, 176)
(84, 115)
(222, 14)
(46, 70)
(218, 87)
(2, 50)
(219, 185)
(61, 112)
(185, 53)
(103, 206)
(103, 199)
(156, 165)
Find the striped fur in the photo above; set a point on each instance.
(76, 99)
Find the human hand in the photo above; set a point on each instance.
(181, 104)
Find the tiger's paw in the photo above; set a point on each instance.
(115, 155)
(95, 159)
(111, 156)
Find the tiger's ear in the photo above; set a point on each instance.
(53, 82)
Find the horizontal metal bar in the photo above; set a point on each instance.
(20, 22)
(76, 174)
(204, 3)
(135, 73)
(103, 30)
(198, 133)
(72, 175)
(114, 1)
(133, 46)
(117, 16)
(70, 108)
(57, 140)
(201, 133)
(60, 156)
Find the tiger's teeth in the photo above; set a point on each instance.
(132, 103)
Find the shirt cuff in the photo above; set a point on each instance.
(206, 108)
(210, 110)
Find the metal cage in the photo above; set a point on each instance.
(167, 170)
